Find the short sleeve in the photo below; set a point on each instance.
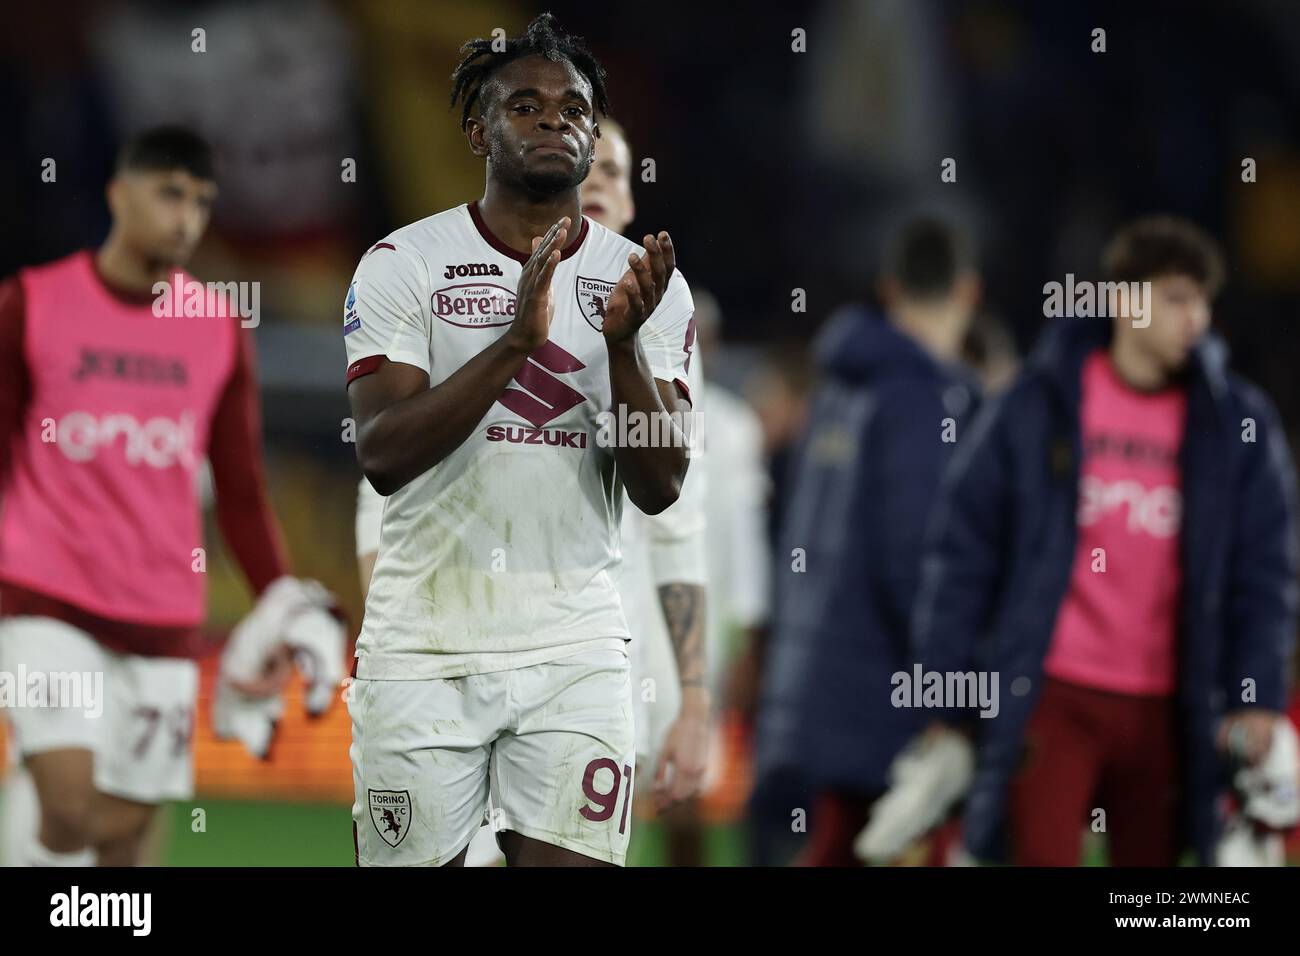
(668, 336)
(678, 552)
(739, 517)
(385, 311)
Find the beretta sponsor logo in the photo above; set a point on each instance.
(474, 305)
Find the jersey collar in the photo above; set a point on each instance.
(505, 250)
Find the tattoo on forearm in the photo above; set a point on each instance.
(683, 606)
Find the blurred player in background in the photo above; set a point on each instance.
(107, 411)
(1117, 543)
(483, 343)
(662, 578)
(883, 426)
(738, 562)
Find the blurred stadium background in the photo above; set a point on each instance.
(775, 170)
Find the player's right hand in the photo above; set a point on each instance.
(535, 303)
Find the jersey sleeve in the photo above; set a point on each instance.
(15, 386)
(675, 536)
(385, 313)
(668, 336)
(748, 491)
(235, 450)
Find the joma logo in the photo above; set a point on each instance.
(131, 366)
(472, 269)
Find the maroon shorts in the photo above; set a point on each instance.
(837, 818)
(1102, 761)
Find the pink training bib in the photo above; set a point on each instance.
(1117, 627)
(102, 509)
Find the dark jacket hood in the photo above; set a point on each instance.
(860, 345)
(1066, 342)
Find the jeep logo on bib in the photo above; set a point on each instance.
(592, 296)
(390, 812)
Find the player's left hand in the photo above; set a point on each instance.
(683, 759)
(1248, 733)
(640, 290)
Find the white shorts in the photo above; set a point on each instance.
(135, 714)
(546, 751)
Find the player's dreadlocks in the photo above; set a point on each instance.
(543, 38)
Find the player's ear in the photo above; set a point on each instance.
(476, 133)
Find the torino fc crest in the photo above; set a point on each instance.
(390, 812)
(592, 296)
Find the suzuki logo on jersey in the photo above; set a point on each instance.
(474, 305)
(159, 443)
(593, 295)
(542, 398)
(472, 269)
(536, 436)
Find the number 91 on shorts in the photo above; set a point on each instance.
(545, 750)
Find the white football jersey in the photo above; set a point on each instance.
(502, 555)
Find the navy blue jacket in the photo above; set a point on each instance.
(867, 477)
(999, 563)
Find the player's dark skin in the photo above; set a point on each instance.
(536, 129)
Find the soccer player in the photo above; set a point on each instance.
(737, 568)
(1116, 545)
(483, 343)
(881, 430)
(106, 413)
(661, 578)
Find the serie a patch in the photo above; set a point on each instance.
(351, 320)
